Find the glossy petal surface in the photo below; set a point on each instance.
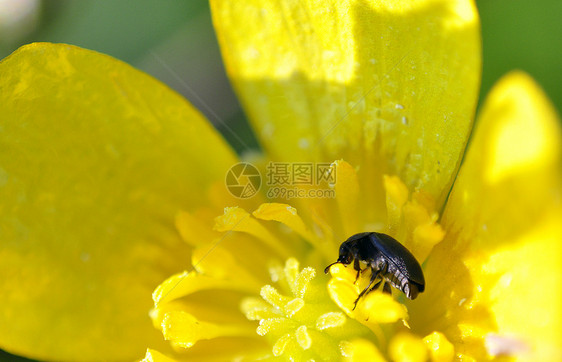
(372, 82)
(95, 160)
(493, 284)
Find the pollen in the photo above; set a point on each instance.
(298, 317)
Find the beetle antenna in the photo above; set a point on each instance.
(328, 267)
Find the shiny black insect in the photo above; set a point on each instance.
(387, 259)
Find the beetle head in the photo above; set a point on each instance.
(345, 257)
(346, 254)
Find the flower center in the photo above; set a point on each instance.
(301, 314)
(298, 318)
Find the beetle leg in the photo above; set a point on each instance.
(386, 288)
(386, 285)
(375, 286)
(374, 276)
(357, 267)
(360, 273)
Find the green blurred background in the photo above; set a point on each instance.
(173, 40)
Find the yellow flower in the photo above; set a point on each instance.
(404, 99)
(97, 160)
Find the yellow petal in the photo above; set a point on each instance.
(96, 158)
(358, 80)
(516, 150)
(194, 229)
(492, 284)
(221, 349)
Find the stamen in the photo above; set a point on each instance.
(296, 325)
(414, 222)
(424, 230)
(347, 191)
(187, 283)
(267, 325)
(439, 347)
(330, 320)
(288, 216)
(273, 297)
(382, 308)
(255, 309)
(237, 219)
(303, 338)
(361, 350)
(279, 346)
(219, 263)
(396, 197)
(407, 347)
(155, 356)
(184, 330)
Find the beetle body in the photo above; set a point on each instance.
(388, 260)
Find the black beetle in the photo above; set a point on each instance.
(387, 259)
